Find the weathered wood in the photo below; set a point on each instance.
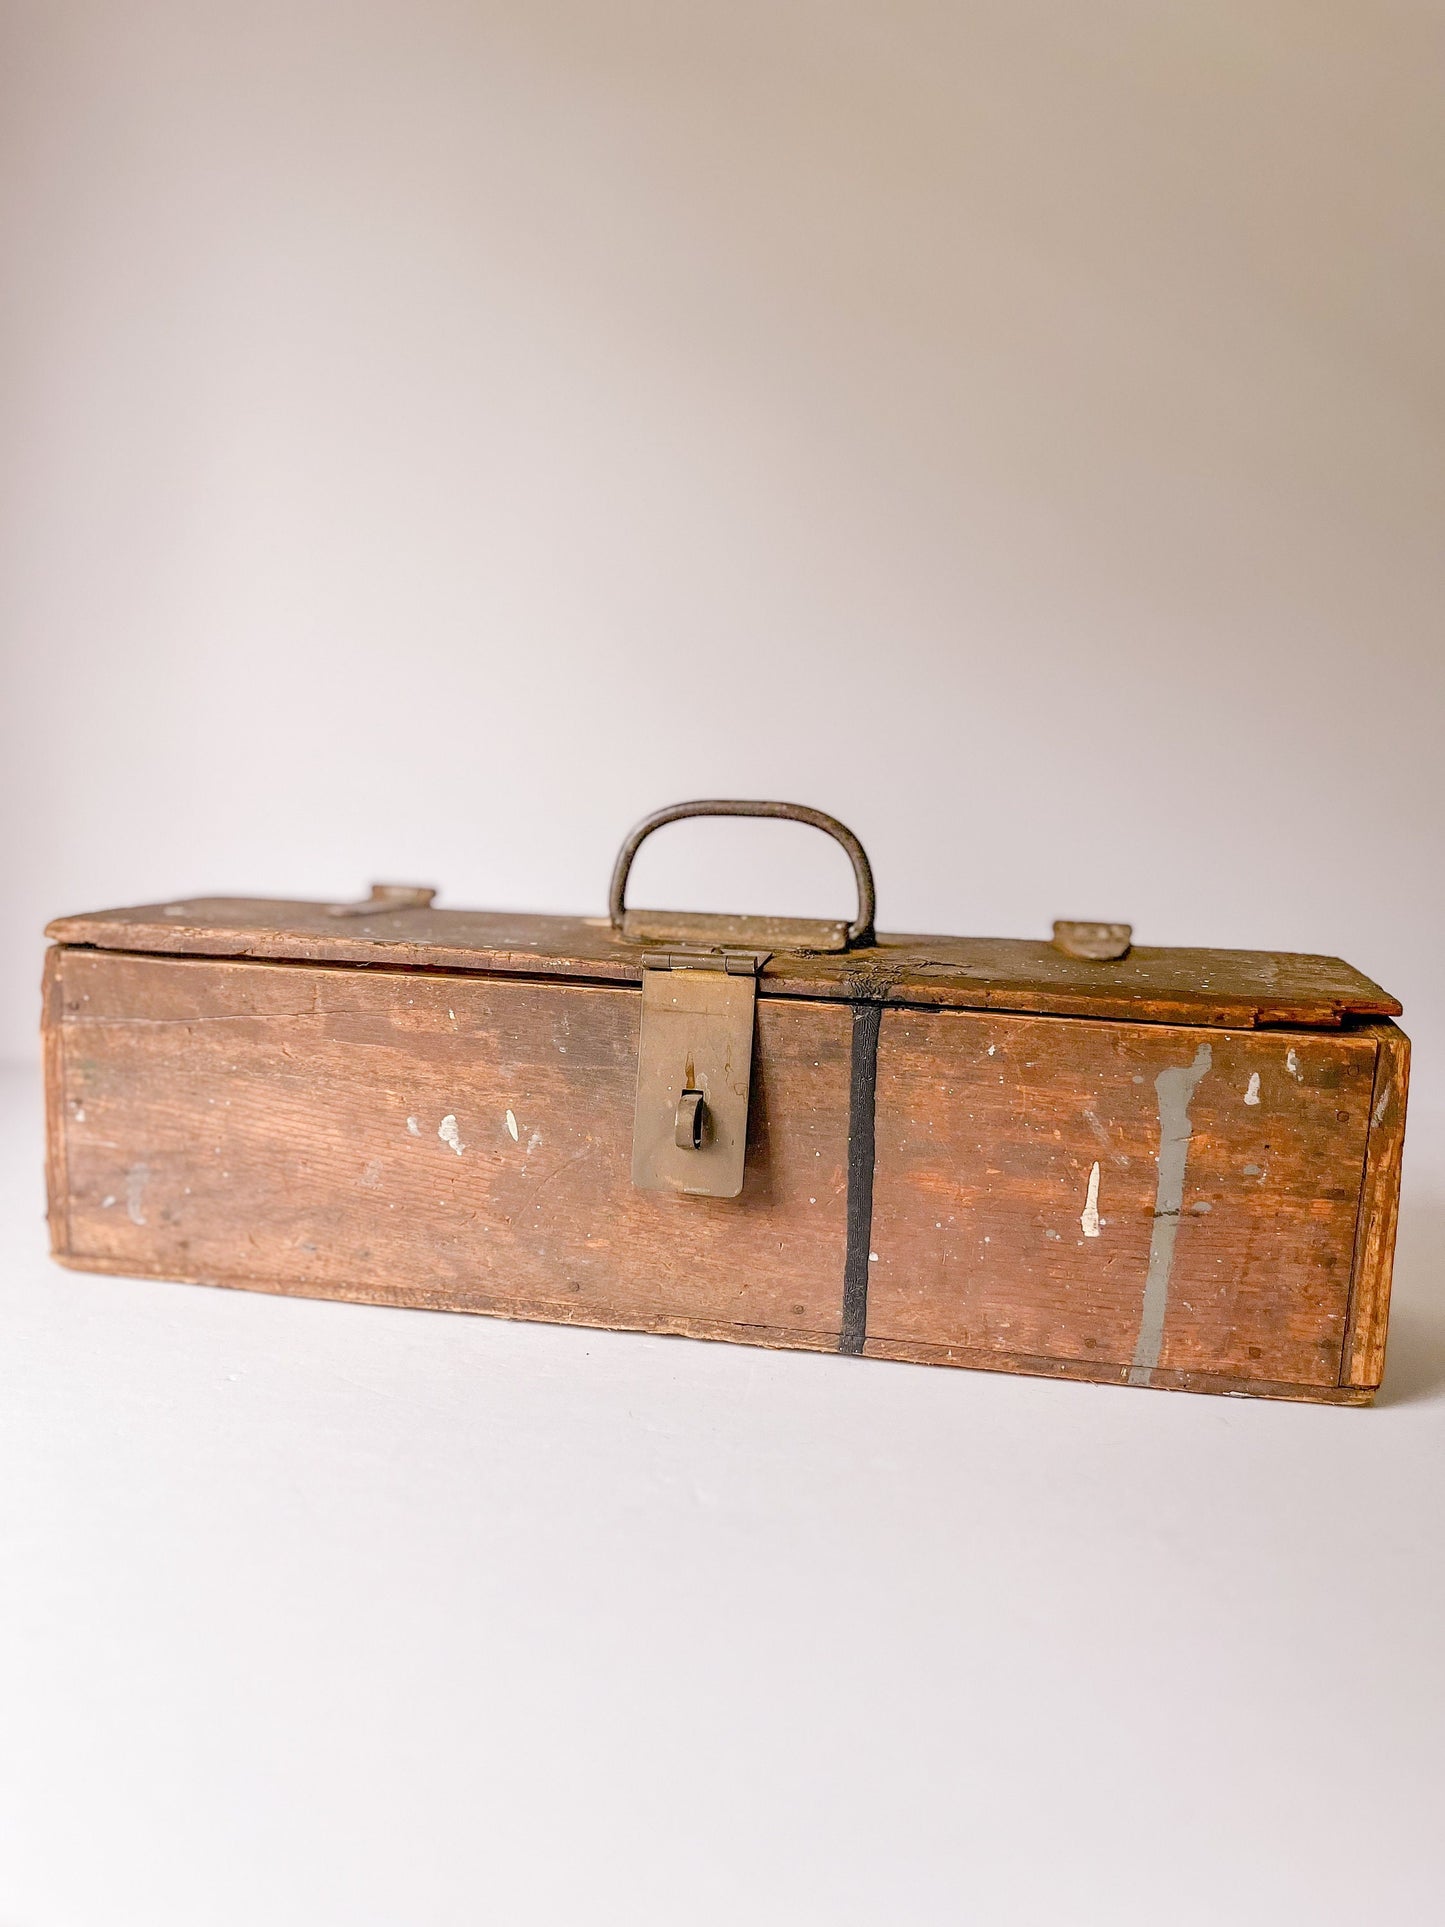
(1238, 989)
(1369, 1318)
(1135, 1202)
(461, 1142)
(1021, 1365)
(518, 1307)
(1019, 1201)
(57, 1109)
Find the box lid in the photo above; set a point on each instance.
(1224, 988)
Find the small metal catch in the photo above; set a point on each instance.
(384, 897)
(694, 1071)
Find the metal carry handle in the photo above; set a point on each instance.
(860, 931)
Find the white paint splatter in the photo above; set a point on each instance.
(1251, 1096)
(991, 1049)
(413, 1127)
(107, 1202)
(80, 1114)
(371, 1176)
(449, 1134)
(534, 1140)
(1291, 1064)
(1089, 1217)
(136, 1179)
(512, 1127)
(1384, 1104)
(872, 1257)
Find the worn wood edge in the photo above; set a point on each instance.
(907, 1352)
(52, 1044)
(976, 999)
(872, 974)
(1126, 1008)
(1368, 1316)
(419, 1298)
(769, 1337)
(400, 958)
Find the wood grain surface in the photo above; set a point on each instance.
(1124, 1202)
(992, 1233)
(1239, 989)
(1379, 1209)
(461, 1142)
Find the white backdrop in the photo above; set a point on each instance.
(433, 433)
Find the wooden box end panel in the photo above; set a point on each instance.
(1364, 1360)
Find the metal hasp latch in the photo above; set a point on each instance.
(694, 1071)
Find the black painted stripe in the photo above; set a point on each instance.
(862, 1084)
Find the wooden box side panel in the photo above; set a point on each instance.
(1151, 1203)
(1364, 1362)
(453, 1142)
(57, 1108)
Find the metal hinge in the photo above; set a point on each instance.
(694, 1070)
(386, 897)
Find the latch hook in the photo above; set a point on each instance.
(691, 1118)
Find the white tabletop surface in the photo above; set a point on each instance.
(320, 1614)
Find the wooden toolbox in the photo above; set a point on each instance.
(1155, 1167)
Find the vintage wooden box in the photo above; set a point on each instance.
(1166, 1167)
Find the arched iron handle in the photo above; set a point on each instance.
(859, 931)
